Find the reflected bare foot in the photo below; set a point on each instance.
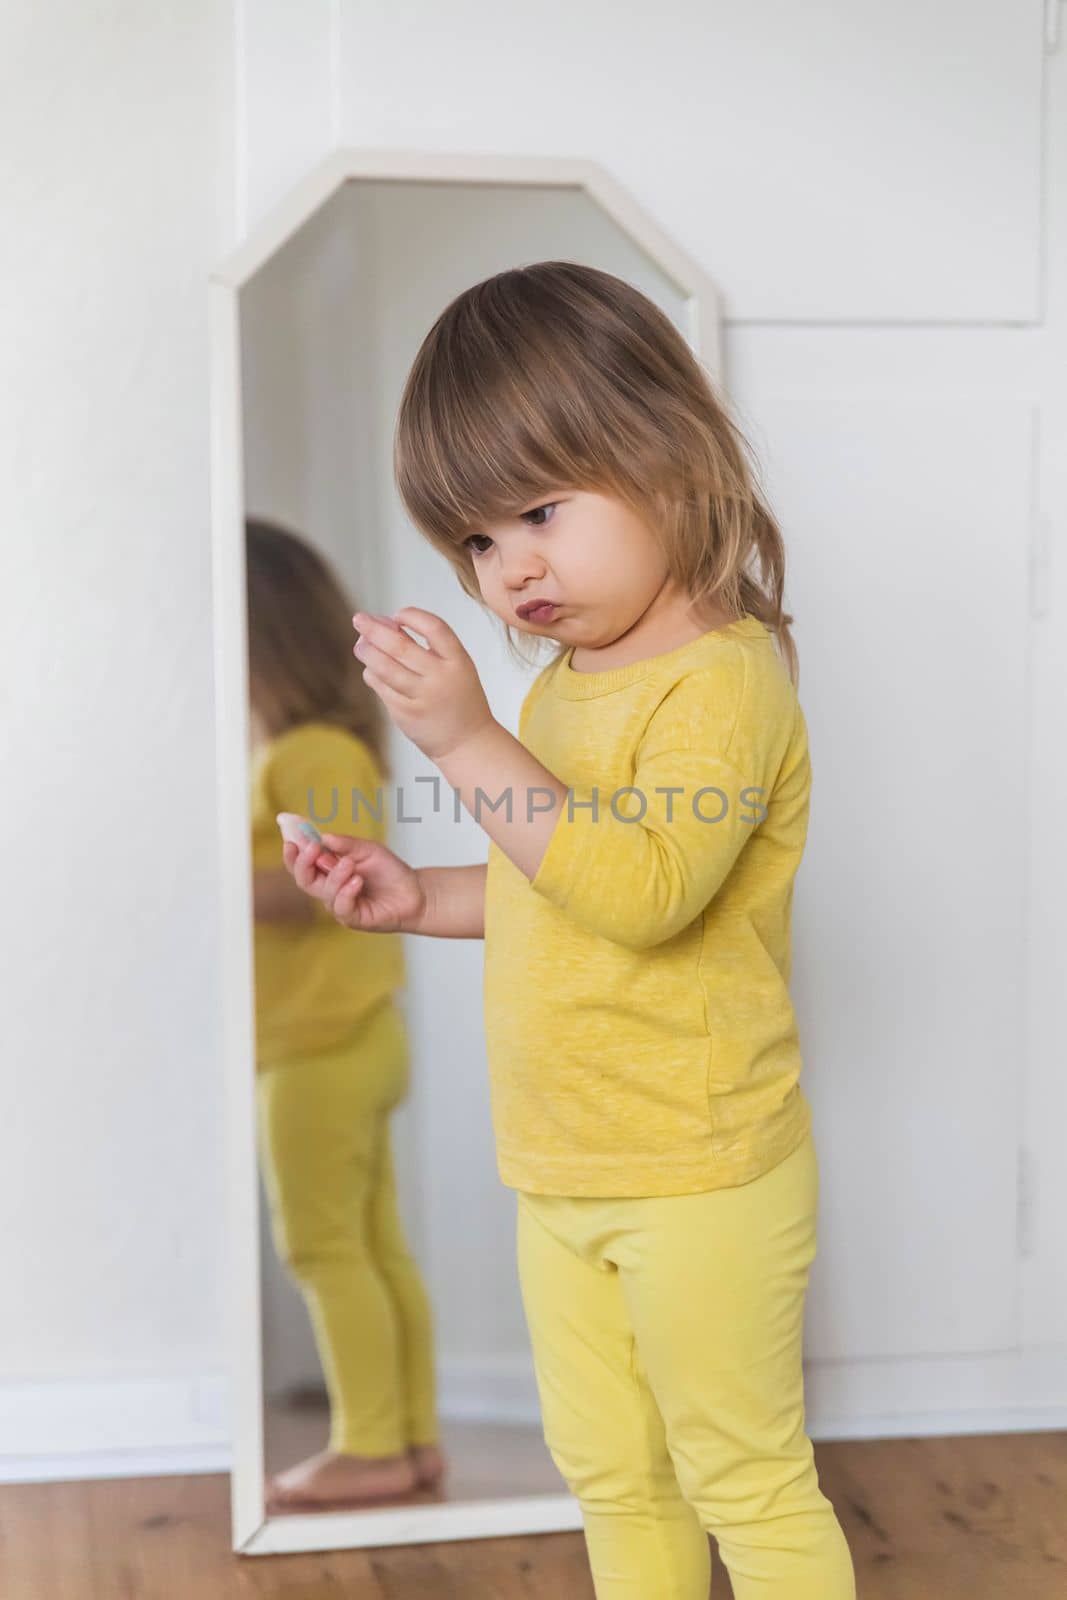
(429, 1463)
(336, 1479)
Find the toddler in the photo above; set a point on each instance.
(560, 446)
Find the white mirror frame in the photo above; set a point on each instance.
(254, 1533)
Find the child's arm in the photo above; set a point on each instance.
(455, 902)
(368, 888)
(639, 877)
(519, 802)
(444, 712)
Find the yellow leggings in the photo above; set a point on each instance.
(666, 1333)
(326, 1156)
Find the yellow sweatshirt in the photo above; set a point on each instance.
(639, 1028)
(316, 980)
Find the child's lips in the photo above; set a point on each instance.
(538, 613)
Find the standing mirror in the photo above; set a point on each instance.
(315, 323)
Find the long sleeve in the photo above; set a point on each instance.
(641, 871)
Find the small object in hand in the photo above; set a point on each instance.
(299, 831)
(296, 829)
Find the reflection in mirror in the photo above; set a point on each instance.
(397, 1367)
(331, 1047)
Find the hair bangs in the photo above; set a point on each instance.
(479, 462)
(488, 423)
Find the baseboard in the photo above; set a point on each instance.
(114, 1428)
(167, 1426)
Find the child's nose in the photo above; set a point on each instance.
(519, 563)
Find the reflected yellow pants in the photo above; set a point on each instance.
(326, 1157)
(666, 1333)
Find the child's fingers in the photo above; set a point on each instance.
(309, 863)
(302, 869)
(306, 868)
(337, 876)
(345, 844)
(345, 900)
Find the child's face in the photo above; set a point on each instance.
(587, 552)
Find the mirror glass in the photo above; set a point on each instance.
(391, 1311)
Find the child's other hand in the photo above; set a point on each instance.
(368, 888)
(433, 695)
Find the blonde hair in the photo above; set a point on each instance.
(300, 640)
(560, 374)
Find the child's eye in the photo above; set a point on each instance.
(535, 511)
(549, 506)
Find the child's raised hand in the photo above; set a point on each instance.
(434, 695)
(367, 888)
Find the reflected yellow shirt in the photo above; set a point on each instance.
(640, 1033)
(316, 980)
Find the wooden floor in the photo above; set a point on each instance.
(967, 1518)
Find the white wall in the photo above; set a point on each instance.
(853, 176)
(117, 129)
